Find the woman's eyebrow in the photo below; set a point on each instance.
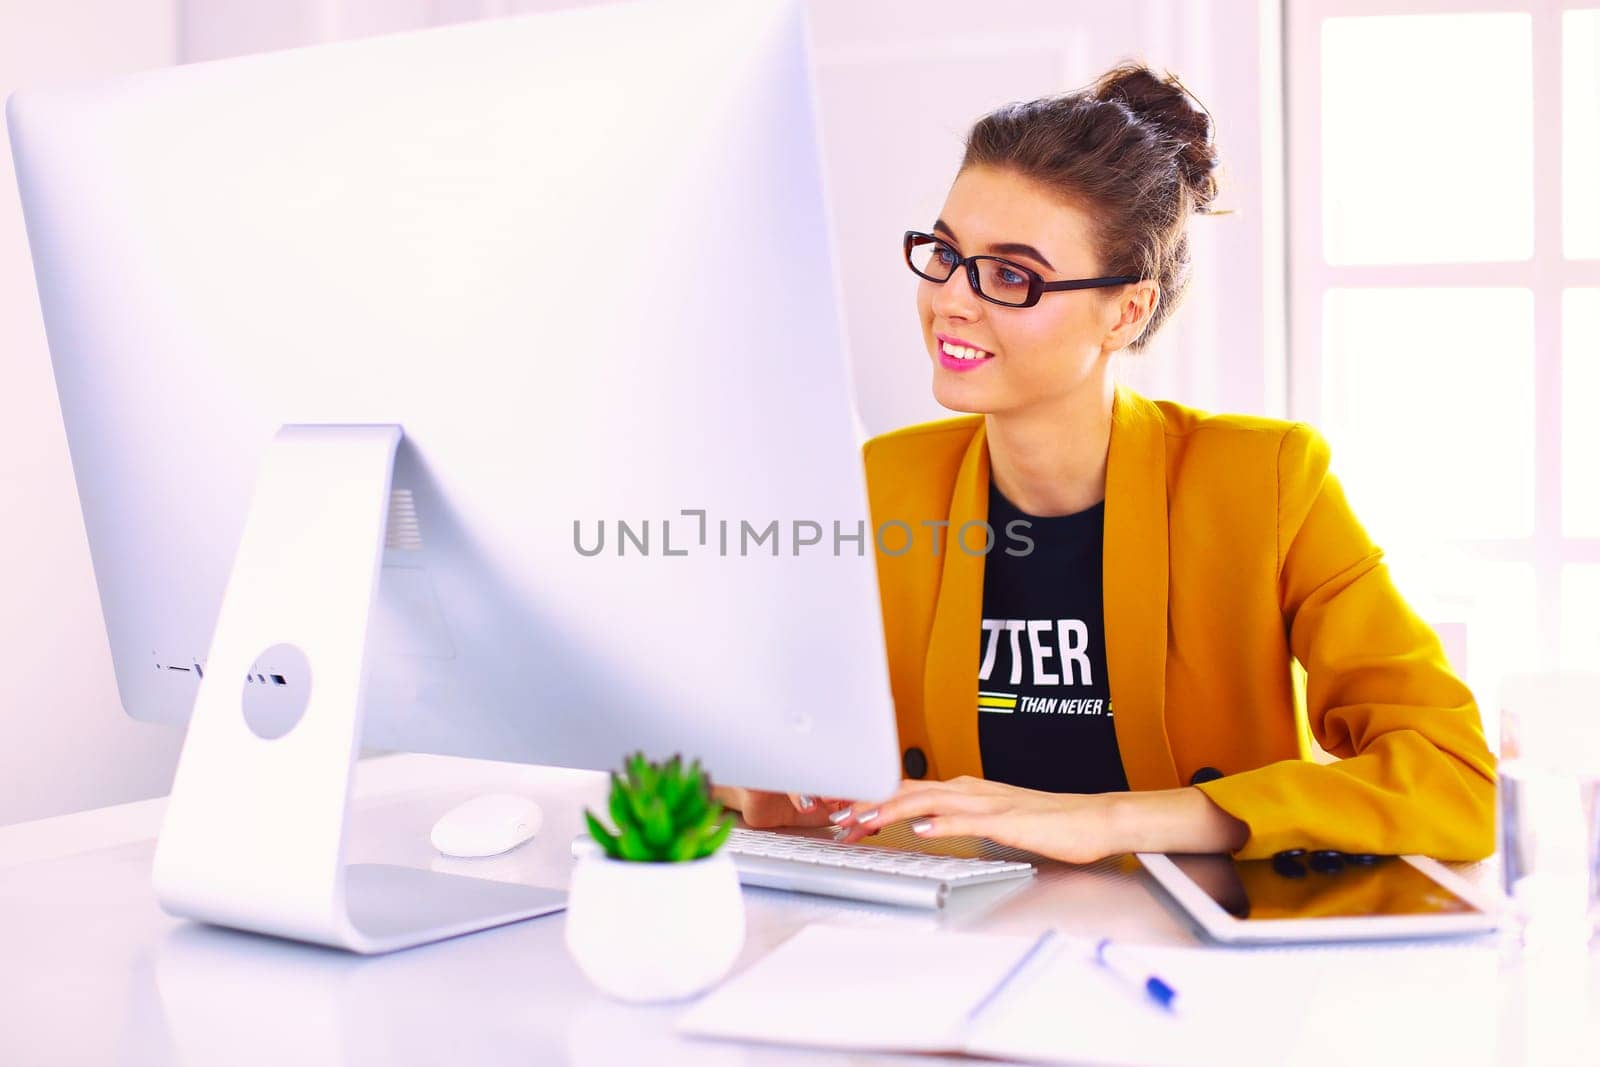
(1010, 247)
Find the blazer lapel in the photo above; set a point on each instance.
(1135, 579)
(950, 676)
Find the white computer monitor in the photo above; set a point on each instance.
(374, 337)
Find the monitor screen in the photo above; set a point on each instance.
(505, 238)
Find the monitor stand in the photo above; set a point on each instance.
(254, 831)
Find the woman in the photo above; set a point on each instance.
(1123, 682)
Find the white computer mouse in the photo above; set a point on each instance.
(487, 825)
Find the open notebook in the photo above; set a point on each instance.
(1046, 999)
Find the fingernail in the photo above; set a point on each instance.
(921, 826)
(806, 803)
(867, 816)
(840, 817)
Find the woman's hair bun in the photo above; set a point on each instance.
(1163, 102)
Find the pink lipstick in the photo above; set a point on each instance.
(963, 362)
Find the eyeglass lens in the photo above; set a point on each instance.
(996, 279)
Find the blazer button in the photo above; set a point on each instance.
(915, 763)
(1204, 774)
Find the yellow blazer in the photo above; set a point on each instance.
(1229, 553)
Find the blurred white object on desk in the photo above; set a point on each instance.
(487, 826)
(1549, 816)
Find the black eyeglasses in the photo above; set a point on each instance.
(997, 280)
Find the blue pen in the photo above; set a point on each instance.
(1117, 960)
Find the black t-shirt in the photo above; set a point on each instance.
(1044, 698)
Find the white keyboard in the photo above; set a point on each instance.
(859, 872)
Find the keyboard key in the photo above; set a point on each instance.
(860, 872)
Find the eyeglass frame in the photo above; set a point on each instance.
(1037, 286)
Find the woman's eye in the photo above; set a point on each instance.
(1011, 277)
(944, 255)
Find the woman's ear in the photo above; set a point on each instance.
(1133, 309)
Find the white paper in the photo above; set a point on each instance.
(912, 990)
(1391, 1003)
(861, 988)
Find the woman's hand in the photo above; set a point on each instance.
(1072, 827)
(764, 811)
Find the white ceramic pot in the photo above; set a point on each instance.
(654, 931)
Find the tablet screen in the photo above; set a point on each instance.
(1259, 889)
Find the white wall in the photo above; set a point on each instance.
(65, 743)
(899, 82)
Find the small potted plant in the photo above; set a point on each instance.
(654, 911)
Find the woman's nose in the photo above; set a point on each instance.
(954, 299)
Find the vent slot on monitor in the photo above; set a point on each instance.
(403, 531)
(195, 668)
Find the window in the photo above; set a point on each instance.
(1444, 157)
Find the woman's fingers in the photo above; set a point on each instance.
(909, 803)
(842, 812)
(952, 826)
(936, 808)
(729, 796)
(964, 784)
(764, 811)
(821, 810)
(785, 809)
(867, 819)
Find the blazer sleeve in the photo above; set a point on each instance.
(1414, 773)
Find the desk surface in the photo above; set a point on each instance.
(95, 973)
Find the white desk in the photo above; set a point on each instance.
(93, 972)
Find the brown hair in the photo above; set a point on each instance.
(1134, 151)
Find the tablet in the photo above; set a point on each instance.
(1271, 900)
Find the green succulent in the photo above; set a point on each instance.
(663, 813)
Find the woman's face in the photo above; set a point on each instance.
(1033, 355)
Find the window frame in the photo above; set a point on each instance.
(1547, 274)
